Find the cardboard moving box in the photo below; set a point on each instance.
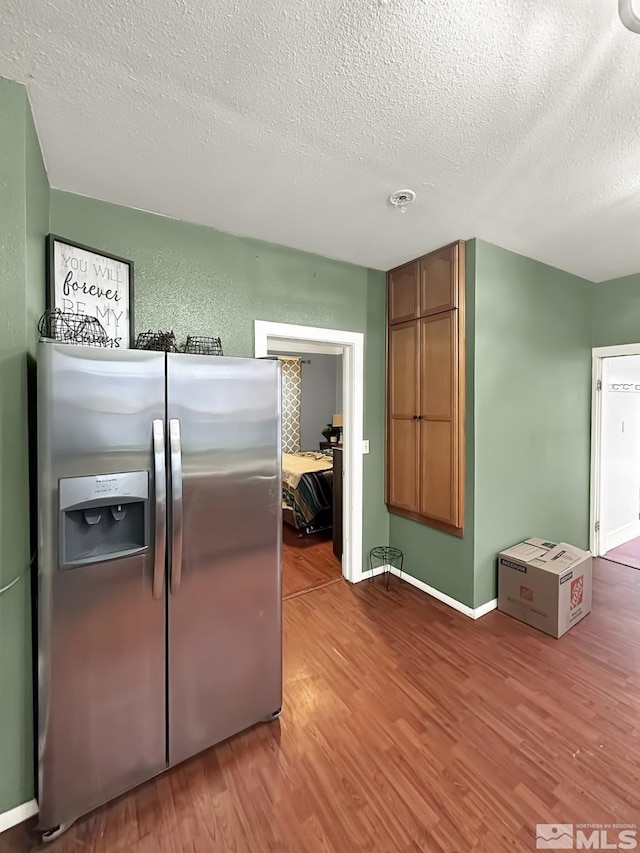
(544, 584)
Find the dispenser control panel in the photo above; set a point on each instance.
(130, 484)
(103, 517)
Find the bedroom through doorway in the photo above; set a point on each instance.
(312, 442)
(322, 452)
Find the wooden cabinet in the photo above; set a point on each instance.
(425, 286)
(403, 288)
(425, 392)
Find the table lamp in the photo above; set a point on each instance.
(336, 423)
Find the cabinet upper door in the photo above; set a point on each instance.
(439, 275)
(439, 422)
(402, 409)
(404, 293)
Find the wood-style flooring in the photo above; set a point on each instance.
(408, 727)
(307, 562)
(627, 554)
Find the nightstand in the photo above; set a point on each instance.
(337, 500)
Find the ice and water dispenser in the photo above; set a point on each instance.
(103, 517)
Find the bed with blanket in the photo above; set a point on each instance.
(307, 491)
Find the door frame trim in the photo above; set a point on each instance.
(598, 354)
(285, 337)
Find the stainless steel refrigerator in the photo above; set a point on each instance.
(159, 578)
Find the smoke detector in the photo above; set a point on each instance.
(628, 15)
(400, 199)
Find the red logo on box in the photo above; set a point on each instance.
(577, 592)
(526, 593)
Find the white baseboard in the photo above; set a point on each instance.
(15, 816)
(472, 613)
(621, 535)
(485, 608)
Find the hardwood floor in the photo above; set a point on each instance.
(627, 554)
(307, 563)
(408, 727)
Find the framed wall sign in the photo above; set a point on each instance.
(86, 281)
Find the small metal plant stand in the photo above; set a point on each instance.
(385, 556)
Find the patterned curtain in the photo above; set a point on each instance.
(291, 394)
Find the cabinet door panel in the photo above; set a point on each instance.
(404, 293)
(439, 281)
(403, 370)
(403, 466)
(438, 495)
(402, 426)
(438, 365)
(439, 422)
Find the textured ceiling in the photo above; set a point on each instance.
(516, 121)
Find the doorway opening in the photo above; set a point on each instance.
(322, 539)
(312, 433)
(615, 476)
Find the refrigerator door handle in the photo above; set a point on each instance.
(176, 504)
(160, 478)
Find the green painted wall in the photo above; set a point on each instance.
(616, 311)
(533, 397)
(23, 225)
(439, 559)
(192, 279)
(529, 332)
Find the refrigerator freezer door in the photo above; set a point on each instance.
(225, 616)
(101, 630)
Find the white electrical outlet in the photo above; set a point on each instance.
(365, 445)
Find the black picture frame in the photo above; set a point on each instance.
(52, 239)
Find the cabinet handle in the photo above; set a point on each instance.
(415, 417)
(420, 418)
